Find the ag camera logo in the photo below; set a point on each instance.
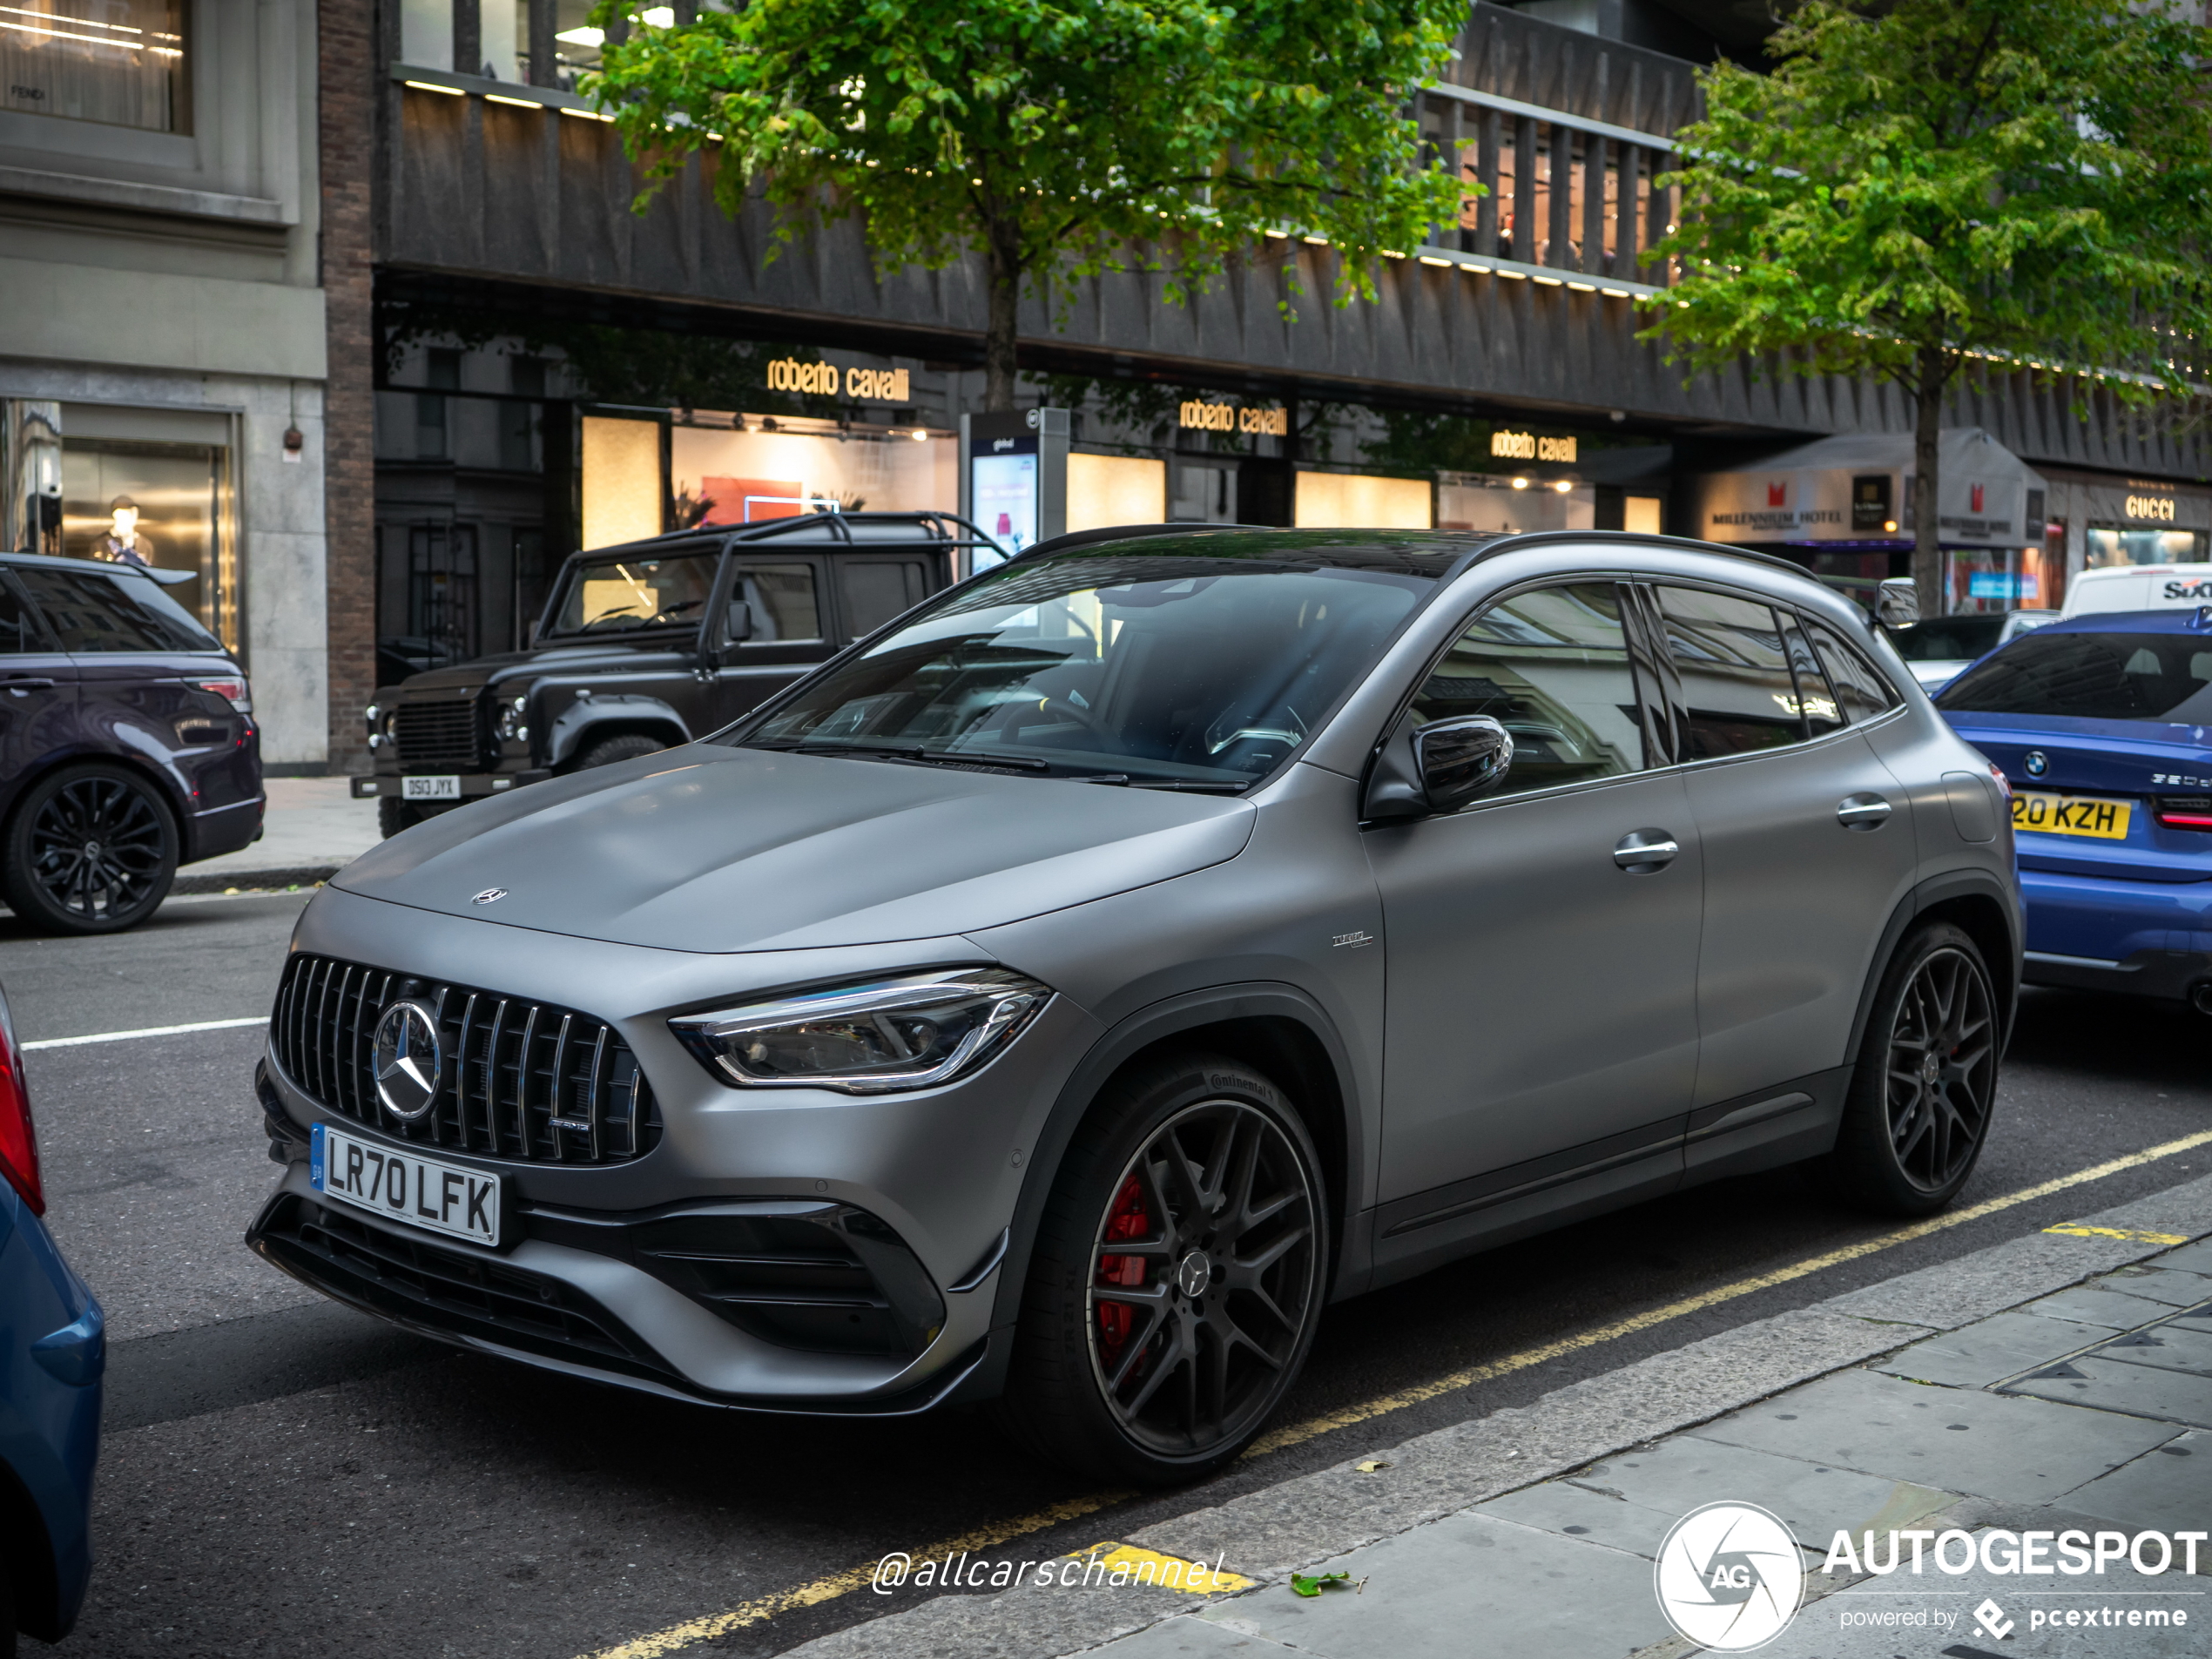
(1729, 1577)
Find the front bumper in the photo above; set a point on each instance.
(932, 1176)
(471, 784)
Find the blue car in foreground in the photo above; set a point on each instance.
(51, 1354)
(2103, 724)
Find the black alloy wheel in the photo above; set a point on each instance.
(1177, 1279)
(1925, 1085)
(91, 849)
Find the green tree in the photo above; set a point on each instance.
(1056, 138)
(1918, 184)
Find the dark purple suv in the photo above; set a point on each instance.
(127, 745)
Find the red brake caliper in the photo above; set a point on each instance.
(1129, 1218)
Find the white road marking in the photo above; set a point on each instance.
(149, 1031)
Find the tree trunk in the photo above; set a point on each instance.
(1927, 428)
(1004, 268)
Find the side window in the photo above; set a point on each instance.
(1552, 667)
(784, 609)
(1817, 699)
(1859, 686)
(19, 629)
(1738, 694)
(874, 591)
(94, 611)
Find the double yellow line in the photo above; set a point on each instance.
(829, 1588)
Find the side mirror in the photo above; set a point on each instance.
(737, 627)
(1439, 768)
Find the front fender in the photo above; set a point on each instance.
(577, 722)
(1138, 1031)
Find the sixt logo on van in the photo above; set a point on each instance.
(2200, 589)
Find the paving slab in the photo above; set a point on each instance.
(2160, 1284)
(2190, 1258)
(2168, 1489)
(1998, 1446)
(1990, 1350)
(2168, 1347)
(1656, 1487)
(2092, 1305)
(1190, 1637)
(1937, 1618)
(2112, 1385)
(1429, 1592)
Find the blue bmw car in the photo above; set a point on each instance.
(2103, 724)
(51, 1354)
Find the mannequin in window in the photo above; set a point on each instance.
(124, 542)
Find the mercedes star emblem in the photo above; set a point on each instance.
(489, 895)
(407, 1061)
(2037, 763)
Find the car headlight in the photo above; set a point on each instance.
(912, 1032)
(509, 723)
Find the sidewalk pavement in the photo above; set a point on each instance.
(2059, 1380)
(311, 829)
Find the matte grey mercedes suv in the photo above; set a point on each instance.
(1070, 989)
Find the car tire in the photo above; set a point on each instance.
(1925, 1087)
(1158, 1362)
(627, 747)
(89, 849)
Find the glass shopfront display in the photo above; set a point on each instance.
(729, 469)
(119, 62)
(156, 504)
(2110, 544)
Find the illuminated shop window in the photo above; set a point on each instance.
(159, 505)
(121, 62)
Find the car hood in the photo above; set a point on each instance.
(706, 849)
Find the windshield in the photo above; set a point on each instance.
(2093, 676)
(1160, 670)
(606, 596)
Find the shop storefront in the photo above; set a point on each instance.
(2102, 521)
(1844, 507)
(831, 430)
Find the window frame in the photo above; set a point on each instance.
(1655, 761)
(1657, 643)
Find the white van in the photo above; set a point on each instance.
(2139, 587)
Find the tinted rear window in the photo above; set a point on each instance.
(2091, 677)
(98, 610)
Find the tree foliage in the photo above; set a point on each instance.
(1917, 185)
(1056, 137)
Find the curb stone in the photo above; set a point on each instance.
(1265, 1534)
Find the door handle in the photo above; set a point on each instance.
(27, 683)
(1863, 812)
(1645, 852)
